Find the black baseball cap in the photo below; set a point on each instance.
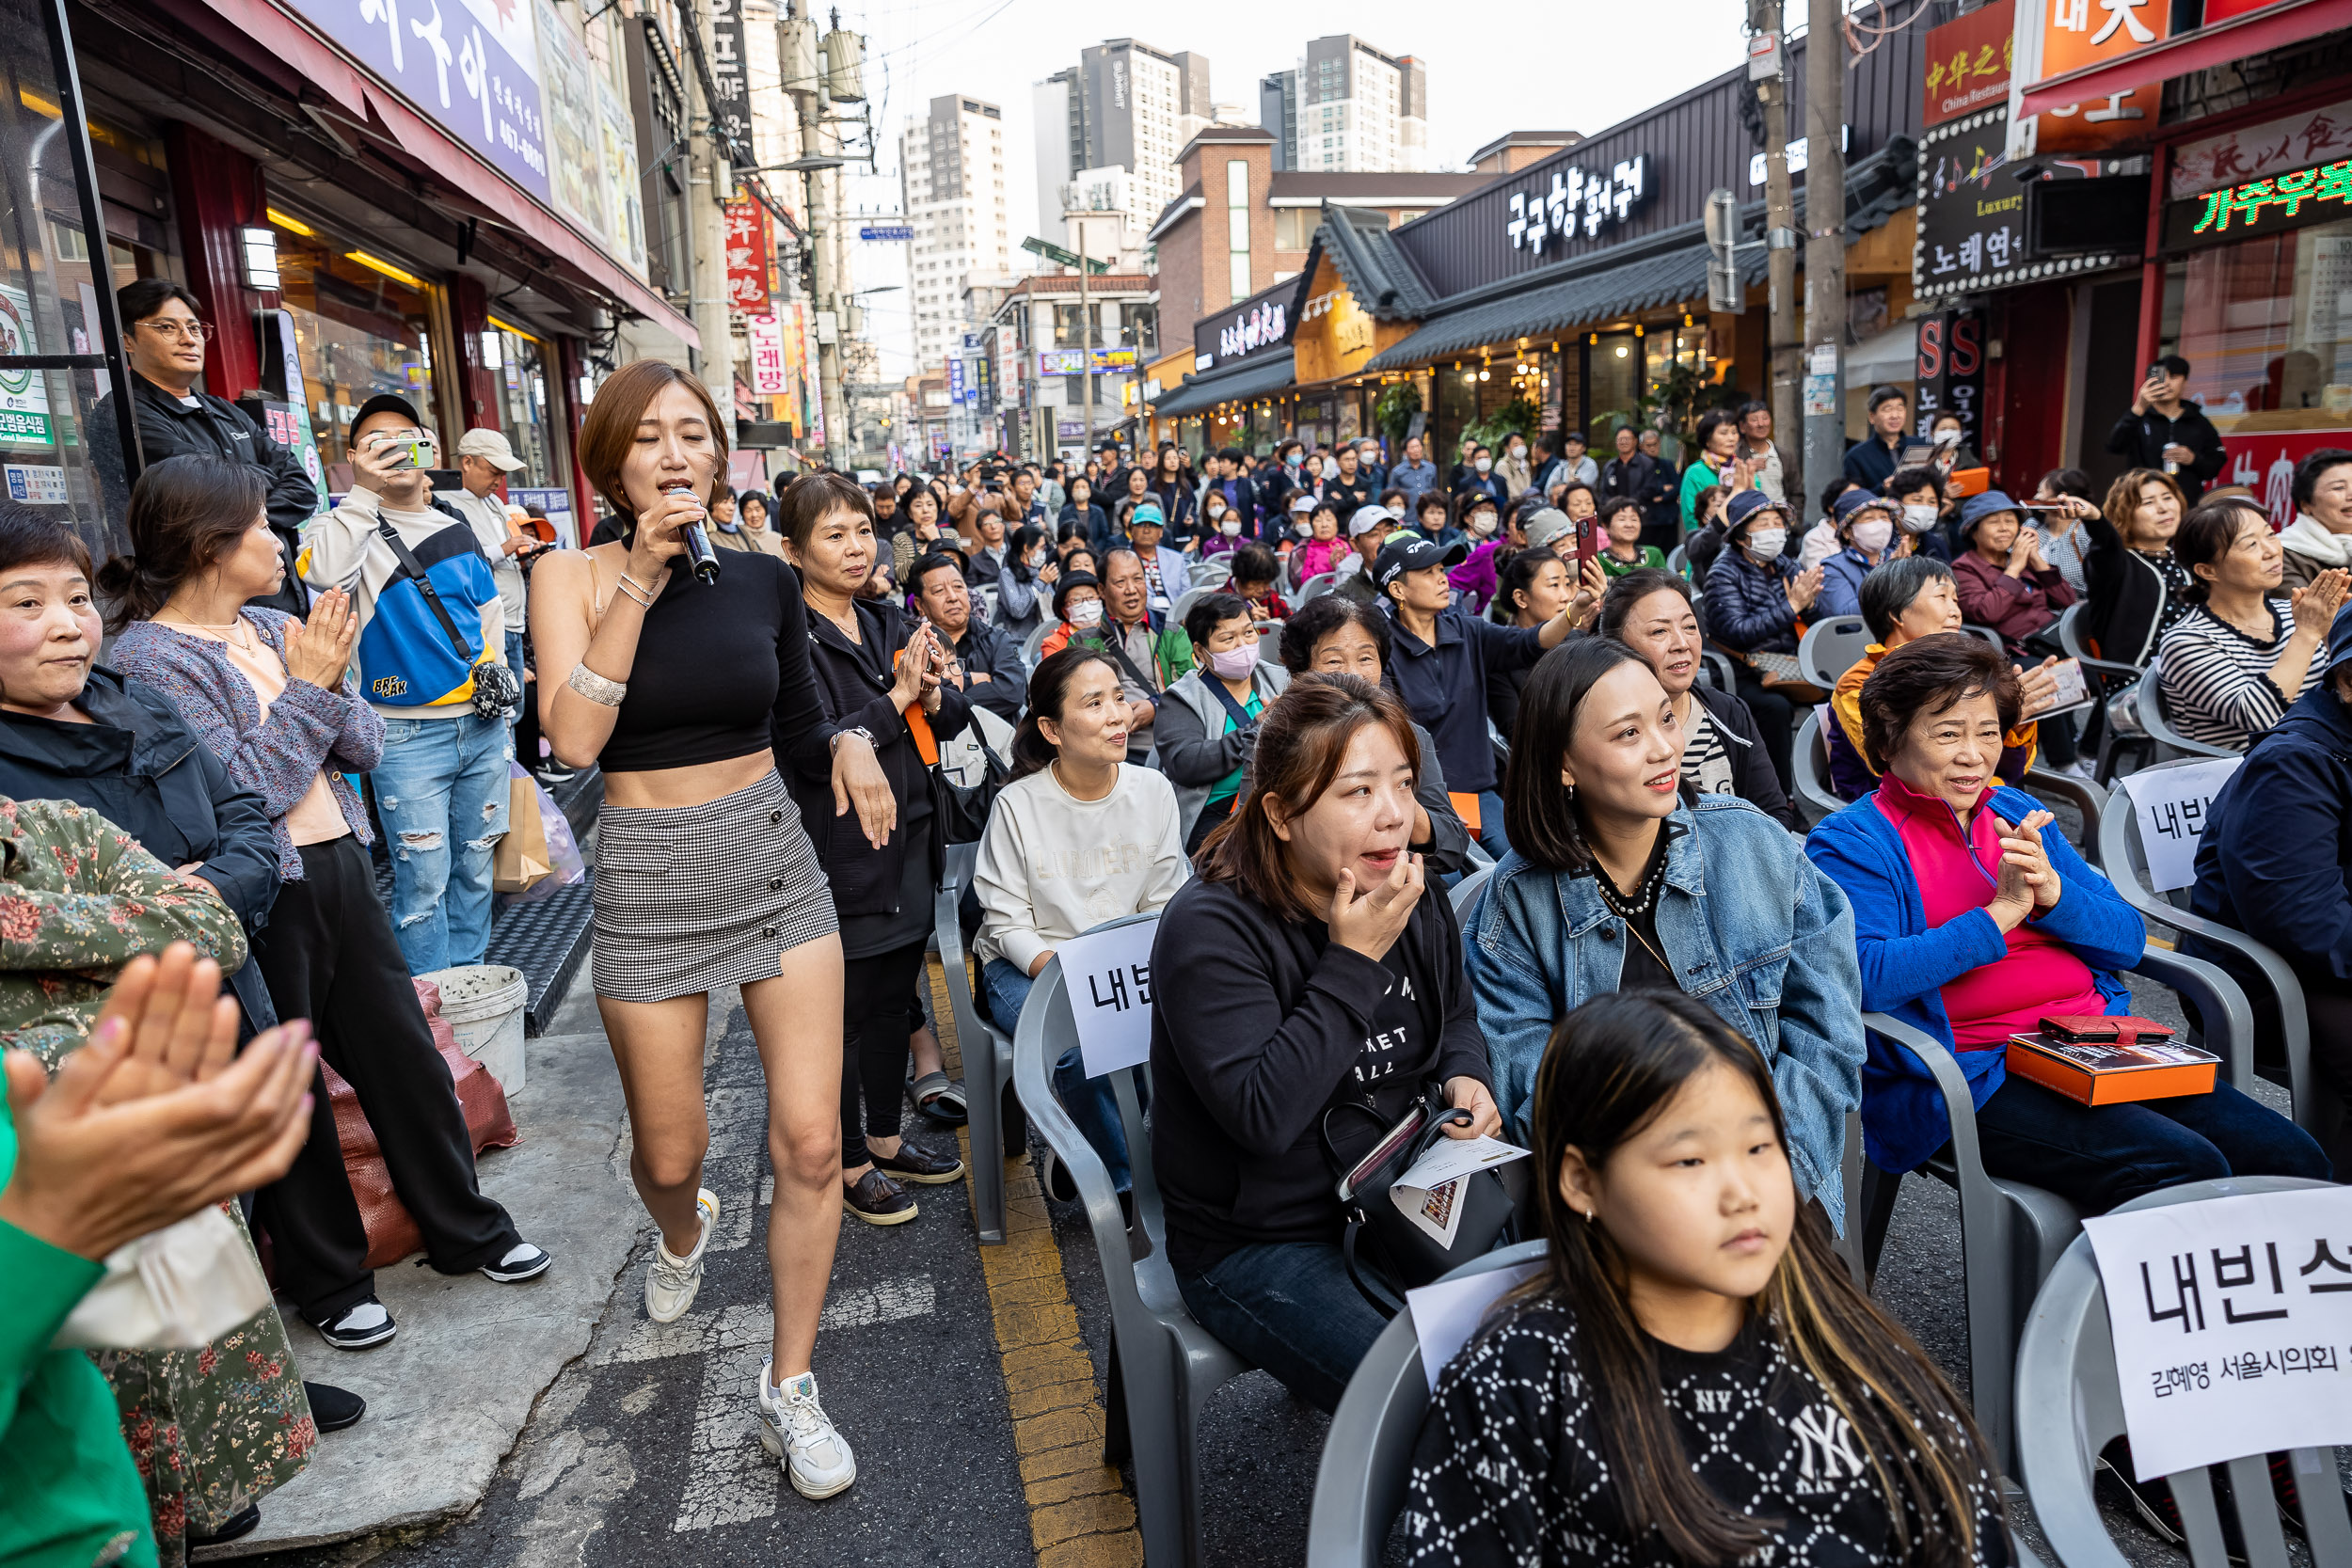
(1410, 553)
(386, 403)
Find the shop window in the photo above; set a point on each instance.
(362, 326)
(518, 363)
(2266, 328)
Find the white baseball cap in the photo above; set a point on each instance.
(491, 446)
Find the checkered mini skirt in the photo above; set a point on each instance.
(690, 898)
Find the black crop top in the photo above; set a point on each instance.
(721, 672)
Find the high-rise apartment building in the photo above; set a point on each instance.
(1124, 105)
(1348, 108)
(951, 163)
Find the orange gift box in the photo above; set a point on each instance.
(2093, 1074)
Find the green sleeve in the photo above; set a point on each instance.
(1694, 478)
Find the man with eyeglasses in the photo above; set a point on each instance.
(165, 343)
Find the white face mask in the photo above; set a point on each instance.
(1872, 533)
(1482, 523)
(1331, 467)
(1484, 464)
(1518, 453)
(1085, 613)
(1215, 512)
(1766, 542)
(1230, 528)
(1918, 516)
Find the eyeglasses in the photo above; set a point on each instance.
(183, 331)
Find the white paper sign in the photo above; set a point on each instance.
(2232, 1324)
(2172, 805)
(1108, 977)
(1446, 1314)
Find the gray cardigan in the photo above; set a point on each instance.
(1190, 715)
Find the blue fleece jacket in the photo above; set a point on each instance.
(1906, 963)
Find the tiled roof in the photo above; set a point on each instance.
(1380, 276)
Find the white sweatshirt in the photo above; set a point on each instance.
(1051, 865)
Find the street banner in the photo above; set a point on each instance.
(2232, 1320)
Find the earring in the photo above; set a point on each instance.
(1588, 1216)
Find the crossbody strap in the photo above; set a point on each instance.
(1234, 710)
(424, 585)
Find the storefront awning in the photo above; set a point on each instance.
(1251, 378)
(465, 176)
(2204, 48)
(1890, 356)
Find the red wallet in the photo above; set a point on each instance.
(2098, 1029)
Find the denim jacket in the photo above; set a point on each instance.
(1750, 928)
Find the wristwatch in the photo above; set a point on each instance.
(860, 731)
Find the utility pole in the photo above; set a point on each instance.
(1825, 239)
(804, 78)
(1784, 346)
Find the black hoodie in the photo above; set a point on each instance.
(1273, 1021)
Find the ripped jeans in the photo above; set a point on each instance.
(441, 791)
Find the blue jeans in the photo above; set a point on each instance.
(2096, 1157)
(1288, 1306)
(1490, 824)
(442, 782)
(1089, 1101)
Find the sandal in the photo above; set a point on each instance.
(939, 1097)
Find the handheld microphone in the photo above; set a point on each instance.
(699, 554)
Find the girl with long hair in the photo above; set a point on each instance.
(1694, 1377)
(705, 876)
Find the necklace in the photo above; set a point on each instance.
(1637, 904)
(237, 633)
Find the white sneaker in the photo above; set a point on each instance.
(671, 1283)
(794, 1427)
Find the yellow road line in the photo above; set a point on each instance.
(1079, 1516)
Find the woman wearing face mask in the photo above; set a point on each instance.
(1651, 613)
(1512, 469)
(1620, 879)
(1323, 549)
(1174, 494)
(1755, 596)
(1316, 972)
(1210, 723)
(1476, 523)
(1220, 528)
(1623, 551)
(1027, 580)
(918, 534)
(1682, 1282)
(1093, 523)
(1923, 499)
(2138, 591)
(1077, 610)
(1865, 537)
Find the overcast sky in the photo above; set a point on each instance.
(1504, 66)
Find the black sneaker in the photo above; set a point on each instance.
(914, 1163)
(333, 1409)
(551, 773)
(359, 1326)
(879, 1200)
(522, 1262)
(1054, 1178)
(244, 1522)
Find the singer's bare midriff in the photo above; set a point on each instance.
(665, 787)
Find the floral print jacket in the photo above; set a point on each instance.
(211, 1430)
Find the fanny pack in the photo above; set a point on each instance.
(497, 691)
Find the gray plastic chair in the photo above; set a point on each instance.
(1163, 1365)
(1185, 602)
(2102, 673)
(2070, 1407)
(1368, 1457)
(1036, 639)
(2125, 858)
(987, 1052)
(1808, 758)
(1716, 669)
(1986, 632)
(1318, 585)
(2013, 1233)
(1679, 561)
(1216, 572)
(2148, 703)
(1466, 892)
(1831, 646)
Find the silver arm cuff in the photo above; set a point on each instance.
(606, 693)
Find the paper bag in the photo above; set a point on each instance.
(522, 862)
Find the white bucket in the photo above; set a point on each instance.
(483, 1003)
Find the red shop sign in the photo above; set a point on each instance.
(747, 256)
(1968, 62)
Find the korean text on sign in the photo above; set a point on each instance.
(1106, 976)
(2232, 1324)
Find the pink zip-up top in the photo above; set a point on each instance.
(1958, 869)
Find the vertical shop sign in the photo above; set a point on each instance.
(747, 256)
(470, 66)
(575, 141)
(23, 398)
(766, 339)
(623, 200)
(730, 90)
(1950, 373)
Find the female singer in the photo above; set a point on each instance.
(705, 876)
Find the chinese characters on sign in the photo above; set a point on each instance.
(1969, 61)
(2314, 136)
(1578, 199)
(2232, 1323)
(1107, 976)
(769, 373)
(747, 256)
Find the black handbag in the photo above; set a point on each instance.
(963, 809)
(1388, 1254)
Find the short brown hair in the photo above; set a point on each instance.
(1301, 742)
(610, 428)
(813, 500)
(2123, 497)
(1928, 677)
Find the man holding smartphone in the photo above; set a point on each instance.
(2164, 431)
(484, 458)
